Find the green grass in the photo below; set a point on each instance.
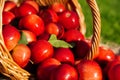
(110, 19)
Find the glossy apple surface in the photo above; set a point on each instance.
(11, 36)
(81, 49)
(7, 17)
(55, 28)
(89, 70)
(114, 73)
(105, 55)
(73, 35)
(58, 7)
(32, 3)
(33, 23)
(64, 72)
(64, 55)
(9, 5)
(41, 50)
(69, 19)
(48, 16)
(26, 9)
(109, 66)
(46, 67)
(21, 55)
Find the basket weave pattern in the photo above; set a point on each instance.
(9, 68)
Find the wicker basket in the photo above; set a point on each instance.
(10, 69)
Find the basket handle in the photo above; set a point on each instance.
(96, 29)
(96, 22)
(96, 26)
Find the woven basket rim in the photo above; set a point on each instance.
(11, 69)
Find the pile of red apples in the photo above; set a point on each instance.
(46, 41)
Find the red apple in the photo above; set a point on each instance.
(11, 36)
(41, 50)
(105, 55)
(89, 70)
(44, 36)
(33, 23)
(9, 5)
(64, 72)
(58, 7)
(21, 55)
(48, 16)
(69, 19)
(32, 3)
(64, 55)
(117, 57)
(109, 66)
(26, 9)
(73, 35)
(81, 49)
(55, 28)
(15, 12)
(114, 73)
(30, 36)
(46, 67)
(7, 17)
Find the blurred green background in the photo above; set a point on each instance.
(110, 19)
